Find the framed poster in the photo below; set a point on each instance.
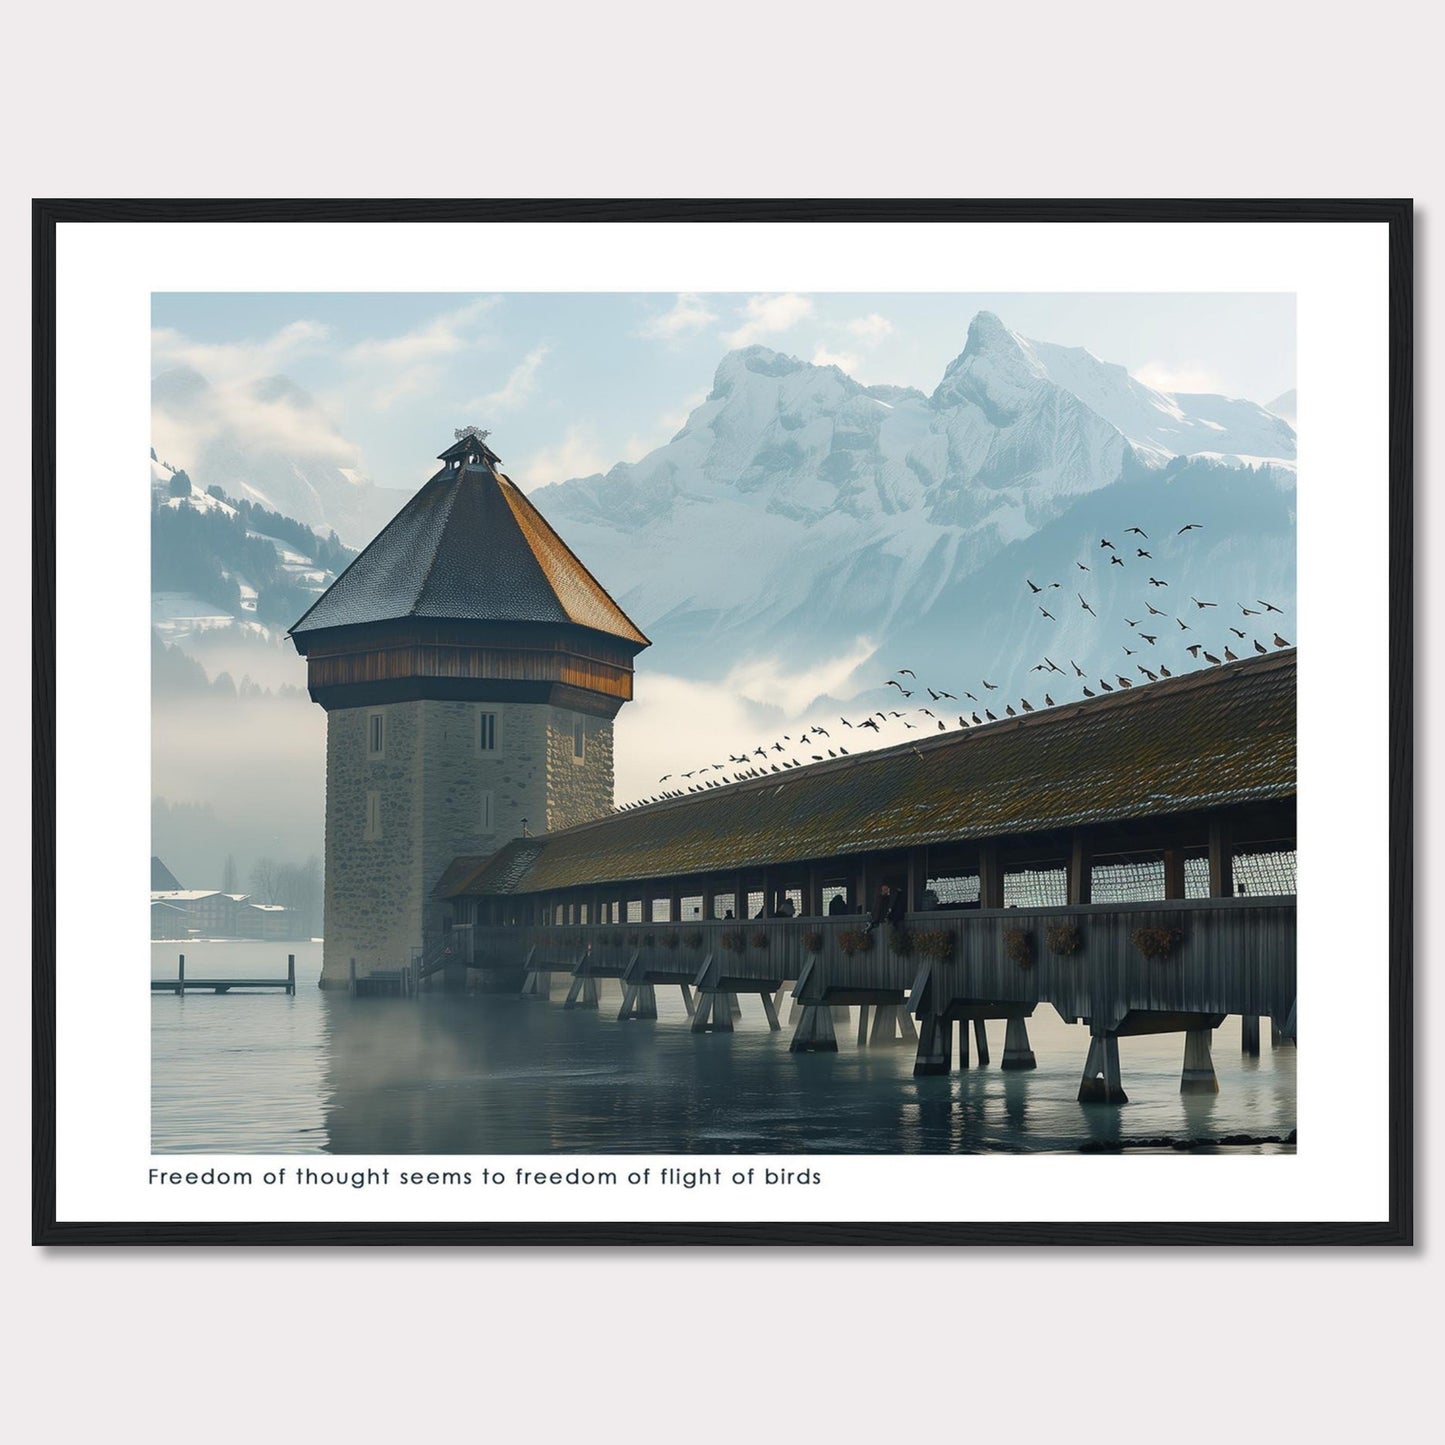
(722, 722)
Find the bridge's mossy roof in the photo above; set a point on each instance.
(1207, 740)
(469, 547)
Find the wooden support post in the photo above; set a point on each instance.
(1174, 873)
(1221, 860)
(990, 877)
(964, 1062)
(1249, 1035)
(1017, 1054)
(1101, 1083)
(935, 1045)
(181, 976)
(1081, 867)
(1198, 1076)
(980, 1037)
(687, 1002)
(771, 1012)
(862, 1025)
(291, 973)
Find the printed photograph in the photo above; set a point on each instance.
(719, 723)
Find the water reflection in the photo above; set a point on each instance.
(488, 1075)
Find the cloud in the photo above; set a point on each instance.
(689, 313)
(844, 360)
(518, 388)
(239, 361)
(1179, 376)
(443, 335)
(871, 327)
(769, 315)
(578, 454)
(755, 705)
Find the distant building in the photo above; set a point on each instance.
(169, 920)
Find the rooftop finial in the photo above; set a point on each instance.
(471, 431)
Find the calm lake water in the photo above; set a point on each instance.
(325, 1073)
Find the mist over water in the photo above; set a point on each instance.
(326, 1073)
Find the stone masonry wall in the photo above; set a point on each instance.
(431, 781)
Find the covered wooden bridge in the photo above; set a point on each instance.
(1128, 859)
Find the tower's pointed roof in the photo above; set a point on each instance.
(468, 547)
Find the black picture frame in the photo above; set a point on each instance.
(50, 214)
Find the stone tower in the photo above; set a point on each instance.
(470, 668)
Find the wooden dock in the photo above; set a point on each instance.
(181, 984)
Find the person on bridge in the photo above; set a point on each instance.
(890, 908)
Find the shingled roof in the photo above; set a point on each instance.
(1206, 740)
(468, 547)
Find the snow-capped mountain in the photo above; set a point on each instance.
(288, 459)
(798, 510)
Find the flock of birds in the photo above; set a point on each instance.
(1145, 634)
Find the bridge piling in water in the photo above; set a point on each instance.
(1101, 1083)
(1249, 1035)
(814, 1034)
(1017, 1051)
(1198, 1075)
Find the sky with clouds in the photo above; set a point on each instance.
(570, 384)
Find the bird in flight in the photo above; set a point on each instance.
(1237, 633)
(1105, 542)
(1132, 622)
(1081, 566)
(1202, 605)
(1194, 649)
(1138, 531)
(1047, 613)
(970, 697)
(1268, 606)
(1053, 666)
(1078, 671)
(1085, 605)
(1130, 651)
(1032, 586)
(992, 686)
(1152, 608)
(1248, 611)
(1116, 562)
(1142, 553)
(907, 672)
(1188, 527)
(1155, 582)
(1183, 625)
(1151, 639)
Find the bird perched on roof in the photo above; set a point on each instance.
(1279, 641)
(1048, 701)
(1089, 693)
(1228, 655)
(978, 721)
(1210, 657)
(1010, 710)
(1105, 685)
(942, 726)
(1152, 676)
(1188, 527)
(989, 715)
(1259, 646)
(1122, 680)
(1164, 671)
